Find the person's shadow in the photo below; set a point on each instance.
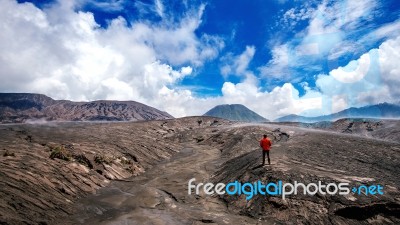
(256, 167)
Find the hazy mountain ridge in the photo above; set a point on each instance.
(235, 112)
(21, 107)
(382, 110)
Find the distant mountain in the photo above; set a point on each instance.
(383, 110)
(23, 107)
(235, 112)
(295, 118)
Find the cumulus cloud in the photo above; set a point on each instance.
(354, 71)
(372, 78)
(280, 101)
(65, 54)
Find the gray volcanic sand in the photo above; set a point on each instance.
(165, 155)
(312, 156)
(37, 189)
(160, 195)
(231, 153)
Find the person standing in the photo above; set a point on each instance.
(265, 144)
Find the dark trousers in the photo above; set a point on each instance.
(265, 152)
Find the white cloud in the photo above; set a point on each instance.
(353, 71)
(372, 78)
(116, 89)
(380, 34)
(389, 57)
(109, 6)
(242, 62)
(388, 30)
(278, 102)
(329, 24)
(159, 8)
(307, 49)
(238, 64)
(339, 103)
(340, 16)
(343, 48)
(67, 55)
(278, 66)
(293, 16)
(332, 22)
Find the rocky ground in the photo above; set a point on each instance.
(312, 156)
(137, 173)
(45, 168)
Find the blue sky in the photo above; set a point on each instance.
(216, 52)
(257, 23)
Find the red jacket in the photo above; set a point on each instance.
(265, 144)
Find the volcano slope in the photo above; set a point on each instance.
(230, 152)
(45, 168)
(37, 189)
(311, 156)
